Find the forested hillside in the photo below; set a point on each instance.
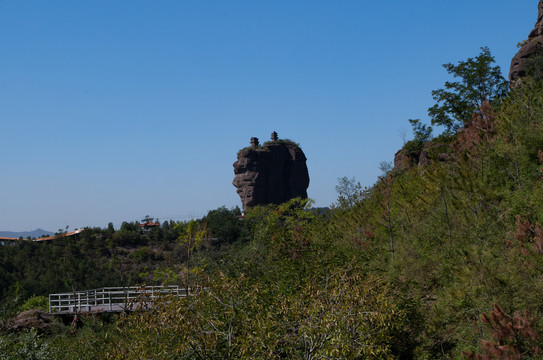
(439, 259)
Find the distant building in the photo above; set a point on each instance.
(72, 234)
(10, 241)
(7, 241)
(148, 225)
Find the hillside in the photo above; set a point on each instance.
(442, 258)
(433, 261)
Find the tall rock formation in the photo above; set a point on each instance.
(271, 173)
(533, 46)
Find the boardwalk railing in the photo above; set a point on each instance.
(109, 299)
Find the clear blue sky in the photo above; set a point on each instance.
(113, 110)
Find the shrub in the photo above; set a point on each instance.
(36, 302)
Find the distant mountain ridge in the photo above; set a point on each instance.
(33, 234)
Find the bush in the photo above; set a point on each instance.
(36, 302)
(144, 254)
(28, 346)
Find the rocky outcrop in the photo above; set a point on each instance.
(533, 46)
(431, 151)
(403, 161)
(271, 173)
(31, 319)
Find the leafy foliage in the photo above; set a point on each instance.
(344, 315)
(349, 191)
(513, 337)
(36, 302)
(224, 225)
(421, 134)
(30, 345)
(409, 268)
(479, 82)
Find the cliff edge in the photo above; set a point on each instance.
(533, 46)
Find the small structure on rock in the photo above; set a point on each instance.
(271, 173)
(532, 47)
(254, 142)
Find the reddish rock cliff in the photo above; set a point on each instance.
(270, 174)
(533, 46)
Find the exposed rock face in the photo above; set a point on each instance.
(270, 174)
(430, 152)
(403, 161)
(433, 151)
(424, 158)
(532, 47)
(31, 319)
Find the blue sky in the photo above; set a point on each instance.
(113, 110)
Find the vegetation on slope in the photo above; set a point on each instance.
(437, 261)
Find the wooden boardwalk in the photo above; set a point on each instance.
(110, 299)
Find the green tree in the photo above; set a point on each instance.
(36, 302)
(224, 224)
(480, 81)
(342, 315)
(192, 238)
(349, 191)
(421, 134)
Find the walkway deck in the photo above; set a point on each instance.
(110, 299)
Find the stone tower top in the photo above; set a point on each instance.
(254, 142)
